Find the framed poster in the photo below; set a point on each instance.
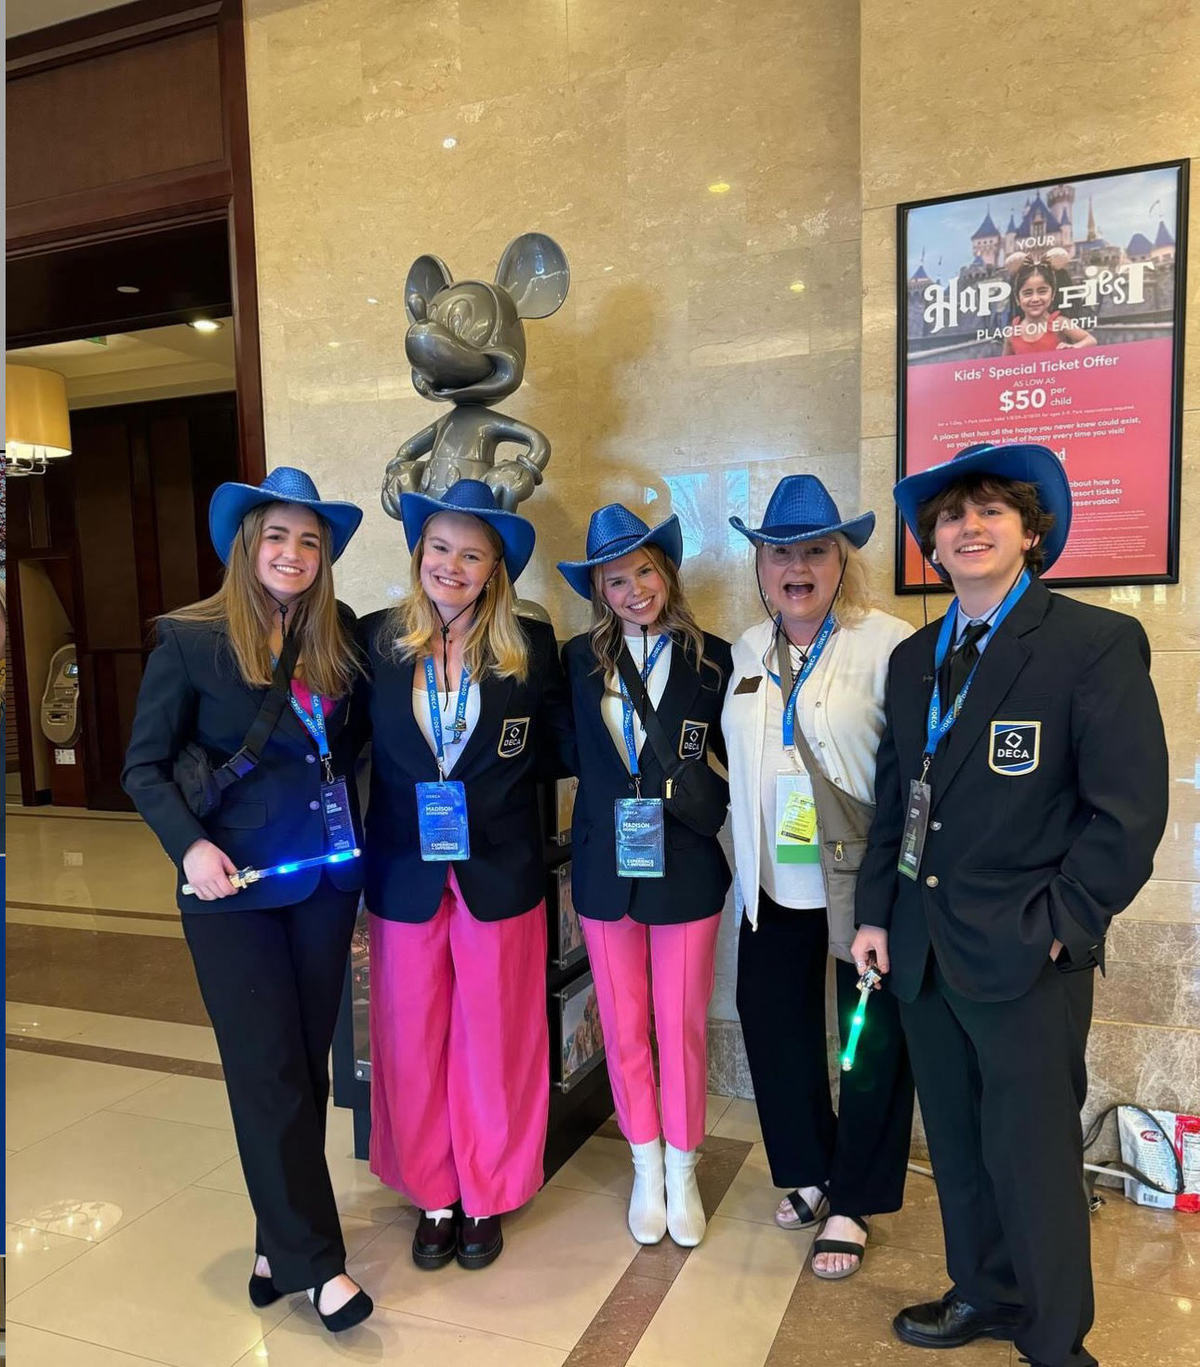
(566, 946)
(580, 1039)
(1053, 313)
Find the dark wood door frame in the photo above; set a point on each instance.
(215, 189)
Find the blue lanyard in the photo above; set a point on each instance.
(627, 704)
(938, 727)
(435, 711)
(815, 651)
(314, 725)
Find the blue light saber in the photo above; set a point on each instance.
(244, 877)
(866, 985)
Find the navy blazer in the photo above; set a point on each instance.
(505, 875)
(192, 691)
(1049, 800)
(697, 872)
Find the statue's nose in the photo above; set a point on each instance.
(443, 359)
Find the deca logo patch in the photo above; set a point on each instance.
(691, 739)
(512, 736)
(1015, 747)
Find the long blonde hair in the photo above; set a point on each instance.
(607, 632)
(327, 661)
(495, 645)
(853, 600)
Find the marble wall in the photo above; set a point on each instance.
(960, 101)
(723, 178)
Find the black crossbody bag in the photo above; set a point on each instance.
(692, 791)
(204, 787)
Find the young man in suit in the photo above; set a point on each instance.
(1022, 791)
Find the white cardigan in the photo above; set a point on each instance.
(840, 709)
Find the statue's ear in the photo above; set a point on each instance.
(535, 273)
(426, 276)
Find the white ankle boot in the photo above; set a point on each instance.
(647, 1204)
(685, 1210)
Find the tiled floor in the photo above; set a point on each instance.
(129, 1227)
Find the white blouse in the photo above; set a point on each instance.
(840, 709)
(420, 705)
(611, 708)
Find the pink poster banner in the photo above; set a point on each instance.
(1062, 327)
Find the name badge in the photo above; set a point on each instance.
(513, 735)
(795, 820)
(442, 821)
(339, 821)
(916, 823)
(639, 823)
(692, 735)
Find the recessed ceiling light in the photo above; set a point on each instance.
(719, 187)
(129, 289)
(371, 299)
(448, 143)
(797, 287)
(206, 324)
(334, 344)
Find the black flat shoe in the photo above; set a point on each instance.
(479, 1242)
(263, 1291)
(435, 1242)
(952, 1322)
(356, 1309)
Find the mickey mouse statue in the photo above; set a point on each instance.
(466, 344)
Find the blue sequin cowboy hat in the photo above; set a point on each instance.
(285, 484)
(614, 531)
(801, 509)
(475, 499)
(1026, 461)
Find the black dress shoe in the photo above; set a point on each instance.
(356, 1309)
(435, 1241)
(479, 1241)
(263, 1291)
(951, 1322)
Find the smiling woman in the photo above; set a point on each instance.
(807, 695)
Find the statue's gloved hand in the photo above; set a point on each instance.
(402, 475)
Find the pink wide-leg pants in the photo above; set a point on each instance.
(624, 955)
(460, 1083)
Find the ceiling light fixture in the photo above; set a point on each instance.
(719, 187)
(448, 143)
(797, 287)
(205, 324)
(129, 289)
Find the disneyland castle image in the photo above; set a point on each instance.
(1047, 221)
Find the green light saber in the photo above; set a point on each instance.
(866, 985)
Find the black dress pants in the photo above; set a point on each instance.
(1001, 1086)
(860, 1152)
(272, 983)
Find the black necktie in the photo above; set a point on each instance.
(957, 668)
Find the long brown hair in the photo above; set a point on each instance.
(328, 660)
(494, 645)
(607, 632)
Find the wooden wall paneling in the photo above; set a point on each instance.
(105, 536)
(213, 440)
(176, 569)
(123, 116)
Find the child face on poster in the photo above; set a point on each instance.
(1035, 296)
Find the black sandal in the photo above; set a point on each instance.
(841, 1246)
(808, 1216)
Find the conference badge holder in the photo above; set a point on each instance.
(442, 821)
(639, 827)
(795, 820)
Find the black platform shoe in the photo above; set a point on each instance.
(435, 1242)
(356, 1309)
(479, 1241)
(263, 1291)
